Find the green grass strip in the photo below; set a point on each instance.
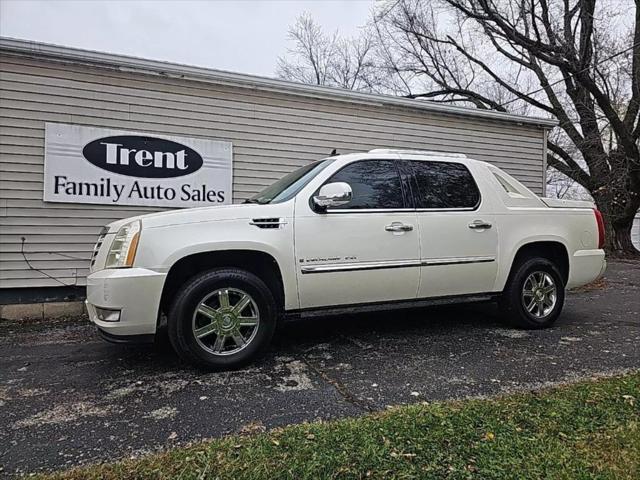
(585, 430)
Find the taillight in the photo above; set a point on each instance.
(600, 223)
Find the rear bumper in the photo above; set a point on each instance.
(131, 294)
(585, 267)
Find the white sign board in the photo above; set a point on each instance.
(113, 167)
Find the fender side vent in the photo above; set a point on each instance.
(268, 222)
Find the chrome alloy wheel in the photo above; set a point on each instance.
(225, 321)
(539, 294)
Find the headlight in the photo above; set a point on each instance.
(123, 248)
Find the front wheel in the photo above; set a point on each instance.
(222, 319)
(534, 295)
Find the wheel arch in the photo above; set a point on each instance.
(553, 250)
(260, 263)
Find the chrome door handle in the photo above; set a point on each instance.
(398, 227)
(479, 224)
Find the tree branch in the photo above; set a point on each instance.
(631, 115)
(470, 96)
(563, 162)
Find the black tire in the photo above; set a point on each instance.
(512, 302)
(182, 319)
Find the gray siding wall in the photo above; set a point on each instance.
(272, 133)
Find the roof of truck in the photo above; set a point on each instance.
(426, 155)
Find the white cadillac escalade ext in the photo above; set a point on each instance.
(350, 233)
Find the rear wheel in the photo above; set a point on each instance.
(222, 319)
(534, 295)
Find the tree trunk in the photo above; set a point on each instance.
(622, 238)
(618, 225)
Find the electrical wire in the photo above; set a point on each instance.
(31, 267)
(617, 54)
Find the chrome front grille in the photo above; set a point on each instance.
(96, 248)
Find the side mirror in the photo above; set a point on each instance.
(333, 195)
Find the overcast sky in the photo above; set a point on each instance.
(242, 36)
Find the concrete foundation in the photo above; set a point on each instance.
(40, 311)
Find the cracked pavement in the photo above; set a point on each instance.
(68, 398)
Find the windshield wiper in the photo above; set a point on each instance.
(253, 200)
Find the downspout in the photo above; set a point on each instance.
(545, 133)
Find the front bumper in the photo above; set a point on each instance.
(126, 339)
(134, 292)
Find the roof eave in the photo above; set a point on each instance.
(188, 72)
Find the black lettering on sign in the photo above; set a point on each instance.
(145, 157)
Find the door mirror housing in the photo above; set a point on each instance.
(333, 195)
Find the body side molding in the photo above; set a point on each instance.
(350, 267)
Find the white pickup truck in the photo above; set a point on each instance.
(350, 233)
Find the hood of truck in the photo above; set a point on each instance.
(241, 211)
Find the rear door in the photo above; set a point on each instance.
(365, 251)
(458, 235)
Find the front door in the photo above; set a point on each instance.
(365, 251)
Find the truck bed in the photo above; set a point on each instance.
(561, 203)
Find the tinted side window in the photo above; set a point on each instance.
(375, 184)
(444, 185)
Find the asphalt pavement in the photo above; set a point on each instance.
(68, 398)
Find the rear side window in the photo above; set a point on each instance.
(443, 185)
(508, 187)
(375, 184)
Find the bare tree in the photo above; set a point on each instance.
(313, 51)
(321, 59)
(575, 60)
(578, 61)
(561, 186)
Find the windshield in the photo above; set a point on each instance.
(288, 186)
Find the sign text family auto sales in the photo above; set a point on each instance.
(96, 165)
